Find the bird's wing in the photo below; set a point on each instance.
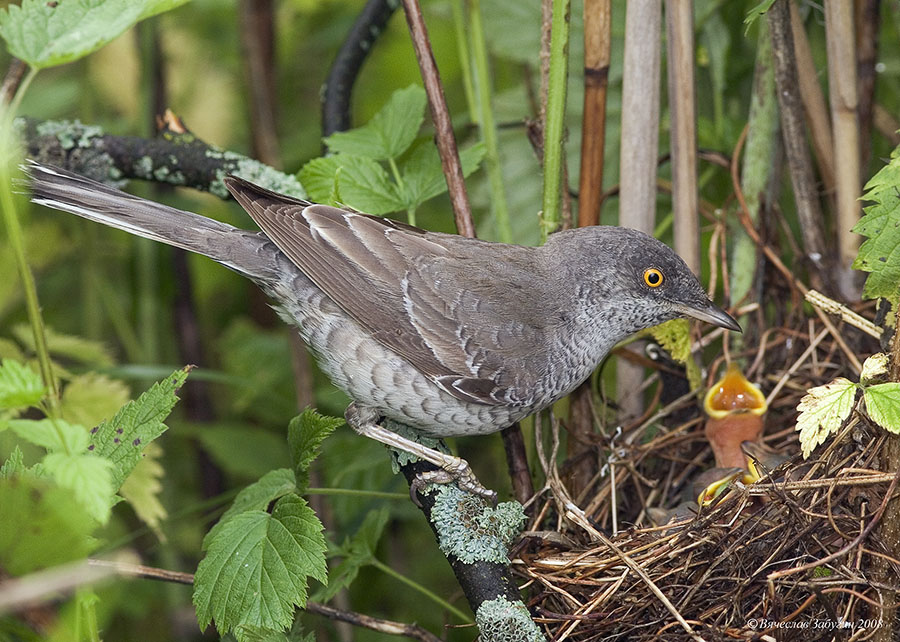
(420, 294)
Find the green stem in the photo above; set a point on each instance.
(351, 492)
(421, 589)
(465, 62)
(488, 125)
(17, 244)
(86, 616)
(556, 116)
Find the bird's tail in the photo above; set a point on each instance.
(249, 253)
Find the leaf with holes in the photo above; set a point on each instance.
(122, 439)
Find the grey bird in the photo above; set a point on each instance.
(448, 335)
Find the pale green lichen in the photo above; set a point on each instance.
(143, 167)
(500, 620)
(472, 531)
(401, 457)
(69, 134)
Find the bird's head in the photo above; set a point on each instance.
(640, 281)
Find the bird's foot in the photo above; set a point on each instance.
(452, 469)
(460, 473)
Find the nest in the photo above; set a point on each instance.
(799, 554)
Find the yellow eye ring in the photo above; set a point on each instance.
(653, 277)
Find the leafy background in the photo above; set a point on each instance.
(107, 298)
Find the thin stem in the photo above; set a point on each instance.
(556, 114)
(462, 48)
(487, 123)
(16, 242)
(381, 566)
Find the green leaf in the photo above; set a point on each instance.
(123, 438)
(675, 338)
(20, 386)
(45, 34)
(880, 253)
(256, 568)
(245, 633)
(757, 11)
(883, 405)
(88, 477)
(306, 432)
(83, 351)
(822, 411)
(91, 398)
(255, 497)
(423, 176)
(52, 434)
(357, 552)
(14, 465)
(365, 186)
(319, 178)
(41, 525)
(141, 489)
(390, 132)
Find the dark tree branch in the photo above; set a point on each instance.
(347, 64)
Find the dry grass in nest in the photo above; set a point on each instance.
(798, 555)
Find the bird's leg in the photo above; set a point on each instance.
(452, 469)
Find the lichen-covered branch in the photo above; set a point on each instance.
(175, 157)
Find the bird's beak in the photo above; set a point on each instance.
(711, 313)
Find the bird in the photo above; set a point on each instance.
(448, 335)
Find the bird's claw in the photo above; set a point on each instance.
(455, 470)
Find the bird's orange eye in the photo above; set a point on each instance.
(653, 277)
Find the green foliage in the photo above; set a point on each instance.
(46, 34)
(256, 568)
(356, 551)
(56, 530)
(354, 177)
(141, 489)
(90, 398)
(880, 253)
(675, 338)
(88, 477)
(757, 11)
(258, 562)
(20, 386)
(824, 409)
(77, 349)
(123, 438)
(306, 433)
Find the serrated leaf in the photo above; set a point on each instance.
(255, 497)
(246, 633)
(883, 405)
(822, 411)
(423, 176)
(41, 525)
(256, 568)
(88, 477)
(14, 464)
(52, 434)
(873, 367)
(319, 178)
(79, 349)
(365, 186)
(880, 252)
(306, 432)
(390, 132)
(45, 34)
(356, 552)
(141, 489)
(20, 386)
(91, 398)
(123, 438)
